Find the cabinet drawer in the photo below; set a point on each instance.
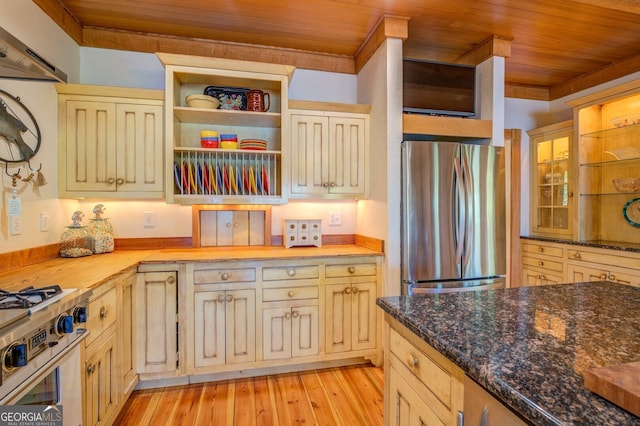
(431, 374)
(290, 273)
(224, 275)
(542, 263)
(290, 293)
(351, 270)
(542, 249)
(102, 314)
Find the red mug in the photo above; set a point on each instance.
(257, 100)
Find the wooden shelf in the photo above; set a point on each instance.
(446, 126)
(227, 117)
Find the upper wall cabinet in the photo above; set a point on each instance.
(110, 142)
(329, 150)
(198, 175)
(552, 180)
(608, 125)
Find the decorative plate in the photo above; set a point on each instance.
(631, 212)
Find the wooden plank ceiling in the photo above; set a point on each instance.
(557, 47)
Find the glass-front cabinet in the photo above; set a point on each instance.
(551, 180)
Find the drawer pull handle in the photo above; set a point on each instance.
(171, 280)
(347, 290)
(220, 298)
(540, 263)
(291, 272)
(295, 314)
(103, 312)
(612, 277)
(225, 276)
(541, 249)
(287, 315)
(291, 293)
(351, 269)
(229, 298)
(577, 255)
(412, 360)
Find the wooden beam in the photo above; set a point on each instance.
(602, 75)
(152, 43)
(419, 124)
(62, 17)
(387, 27)
(491, 46)
(629, 6)
(537, 93)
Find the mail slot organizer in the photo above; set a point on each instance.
(302, 233)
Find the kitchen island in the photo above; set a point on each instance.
(530, 346)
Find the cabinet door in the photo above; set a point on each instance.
(156, 302)
(240, 327)
(405, 406)
(139, 148)
(309, 154)
(126, 335)
(101, 383)
(579, 273)
(276, 333)
(532, 277)
(209, 328)
(363, 316)
(338, 318)
(90, 146)
(347, 155)
(304, 331)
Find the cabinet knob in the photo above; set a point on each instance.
(612, 277)
(171, 280)
(292, 293)
(236, 225)
(90, 369)
(295, 314)
(228, 225)
(225, 276)
(577, 255)
(119, 181)
(229, 298)
(291, 272)
(103, 312)
(541, 249)
(220, 298)
(287, 315)
(111, 181)
(540, 263)
(542, 277)
(355, 290)
(347, 290)
(332, 184)
(412, 360)
(352, 269)
(325, 185)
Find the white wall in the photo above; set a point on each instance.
(29, 24)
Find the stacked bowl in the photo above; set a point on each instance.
(208, 139)
(228, 141)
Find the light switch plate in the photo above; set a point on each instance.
(149, 219)
(15, 225)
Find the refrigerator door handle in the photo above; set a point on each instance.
(460, 235)
(468, 186)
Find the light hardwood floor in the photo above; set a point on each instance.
(335, 396)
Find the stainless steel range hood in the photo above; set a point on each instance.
(17, 61)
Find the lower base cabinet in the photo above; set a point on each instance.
(290, 332)
(350, 317)
(100, 382)
(406, 408)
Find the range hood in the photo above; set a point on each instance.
(18, 61)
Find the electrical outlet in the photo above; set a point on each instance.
(45, 222)
(149, 219)
(15, 225)
(335, 218)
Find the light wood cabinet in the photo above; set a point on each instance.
(235, 176)
(128, 375)
(542, 263)
(157, 322)
(290, 332)
(224, 327)
(100, 381)
(329, 152)
(422, 387)
(350, 316)
(110, 142)
(552, 180)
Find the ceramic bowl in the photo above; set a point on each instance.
(627, 184)
(228, 145)
(202, 101)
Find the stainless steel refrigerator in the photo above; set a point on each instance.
(453, 217)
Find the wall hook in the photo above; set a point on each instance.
(29, 164)
(6, 170)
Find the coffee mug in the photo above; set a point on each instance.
(257, 100)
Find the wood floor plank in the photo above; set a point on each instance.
(336, 396)
(322, 406)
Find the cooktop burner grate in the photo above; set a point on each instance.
(27, 297)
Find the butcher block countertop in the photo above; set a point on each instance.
(531, 346)
(91, 271)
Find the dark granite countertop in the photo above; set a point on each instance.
(603, 244)
(530, 345)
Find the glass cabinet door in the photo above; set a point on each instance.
(551, 179)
